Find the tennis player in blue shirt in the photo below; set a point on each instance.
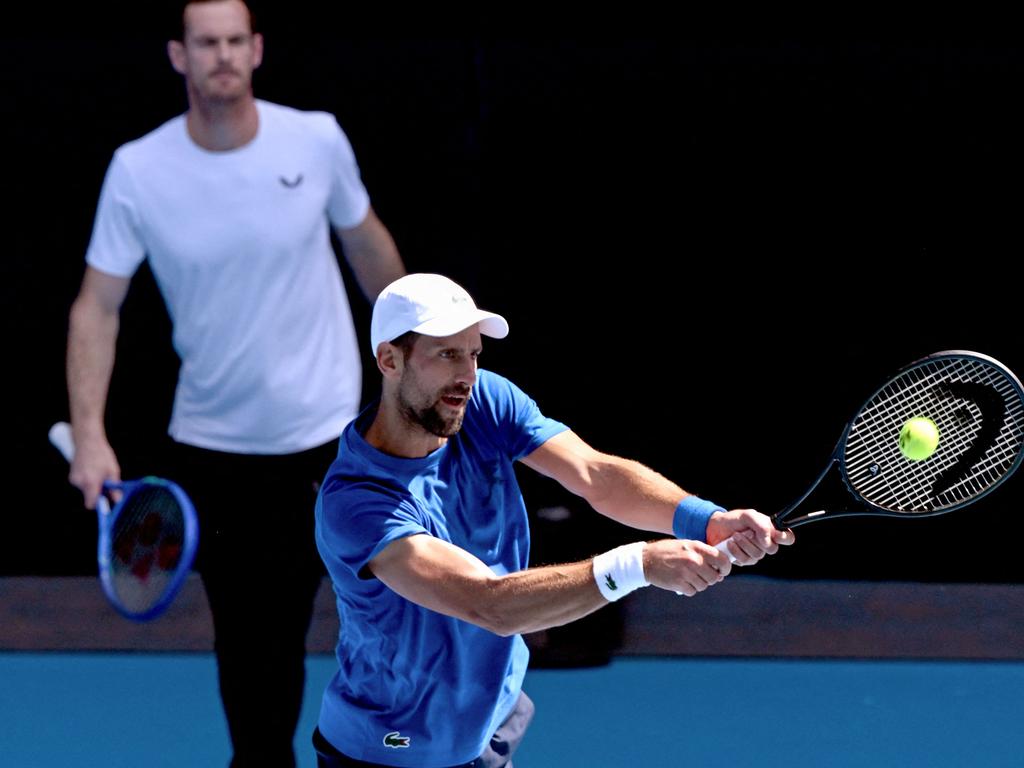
(424, 532)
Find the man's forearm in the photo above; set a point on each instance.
(92, 342)
(444, 578)
(372, 254)
(540, 598)
(622, 489)
(633, 494)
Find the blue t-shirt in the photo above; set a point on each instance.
(415, 687)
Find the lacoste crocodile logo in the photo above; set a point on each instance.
(291, 184)
(396, 740)
(610, 582)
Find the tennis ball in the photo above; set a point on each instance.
(919, 438)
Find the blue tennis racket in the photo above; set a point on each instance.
(147, 541)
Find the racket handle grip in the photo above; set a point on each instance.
(721, 547)
(60, 437)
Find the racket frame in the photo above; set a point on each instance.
(107, 520)
(837, 466)
(61, 438)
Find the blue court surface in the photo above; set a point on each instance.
(143, 710)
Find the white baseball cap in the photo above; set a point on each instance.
(429, 304)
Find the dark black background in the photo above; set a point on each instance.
(709, 252)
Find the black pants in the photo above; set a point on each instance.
(498, 754)
(259, 564)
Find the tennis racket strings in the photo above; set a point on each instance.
(976, 405)
(147, 545)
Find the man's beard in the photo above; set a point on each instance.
(214, 96)
(430, 418)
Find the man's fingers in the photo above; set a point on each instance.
(784, 538)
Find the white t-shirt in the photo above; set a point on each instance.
(239, 243)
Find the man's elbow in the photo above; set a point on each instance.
(90, 310)
(492, 614)
(497, 625)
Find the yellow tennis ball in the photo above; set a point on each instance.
(919, 438)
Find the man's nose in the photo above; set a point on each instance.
(467, 373)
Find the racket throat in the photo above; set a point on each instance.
(781, 524)
(820, 500)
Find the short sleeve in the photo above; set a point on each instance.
(355, 522)
(116, 246)
(519, 426)
(348, 201)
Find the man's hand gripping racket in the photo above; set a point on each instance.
(147, 542)
(945, 431)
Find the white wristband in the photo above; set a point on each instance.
(620, 571)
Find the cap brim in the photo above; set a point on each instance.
(491, 324)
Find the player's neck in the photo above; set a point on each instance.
(395, 435)
(223, 126)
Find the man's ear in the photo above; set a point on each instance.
(390, 360)
(257, 50)
(176, 53)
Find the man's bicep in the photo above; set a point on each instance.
(433, 573)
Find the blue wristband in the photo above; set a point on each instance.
(691, 518)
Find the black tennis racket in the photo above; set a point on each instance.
(977, 405)
(147, 542)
